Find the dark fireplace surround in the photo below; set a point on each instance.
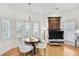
(55, 34)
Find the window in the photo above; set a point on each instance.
(6, 30)
(36, 30)
(23, 29)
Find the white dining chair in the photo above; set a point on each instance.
(24, 48)
(43, 44)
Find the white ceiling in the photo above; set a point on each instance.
(45, 7)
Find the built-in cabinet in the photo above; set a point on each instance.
(55, 33)
(54, 23)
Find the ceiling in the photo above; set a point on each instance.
(45, 7)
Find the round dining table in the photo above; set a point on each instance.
(33, 42)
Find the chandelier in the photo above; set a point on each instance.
(29, 12)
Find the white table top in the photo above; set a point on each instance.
(33, 39)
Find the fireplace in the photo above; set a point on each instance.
(56, 36)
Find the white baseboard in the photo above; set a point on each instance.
(5, 48)
(69, 42)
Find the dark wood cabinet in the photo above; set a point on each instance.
(55, 34)
(54, 23)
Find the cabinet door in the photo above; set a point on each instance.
(54, 23)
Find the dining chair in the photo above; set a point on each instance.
(43, 44)
(25, 49)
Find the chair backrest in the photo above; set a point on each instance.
(21, 43)
(44, 37)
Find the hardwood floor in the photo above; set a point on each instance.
(71, 51)
(55, 50)
(64, 50)
(12, 52)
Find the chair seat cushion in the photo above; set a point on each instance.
(26, 49)
(41, 45)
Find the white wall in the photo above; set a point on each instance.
(69, 17)
(72, 16)
(5, 45)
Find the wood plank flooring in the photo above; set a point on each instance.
(63, 50)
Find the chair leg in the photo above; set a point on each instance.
(36, 51)
(44, 51)
(32, 53)
(21, 54)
